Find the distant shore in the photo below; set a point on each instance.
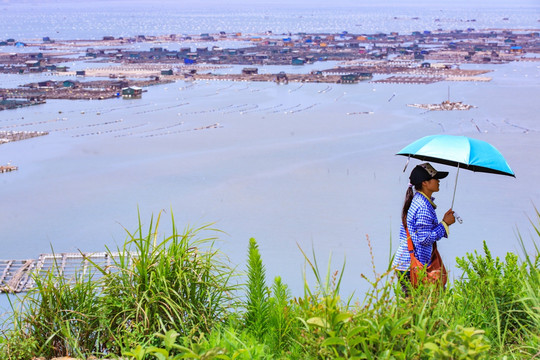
(418, 58)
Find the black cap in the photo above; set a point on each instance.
(424, 172)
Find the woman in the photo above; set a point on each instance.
(419, 216)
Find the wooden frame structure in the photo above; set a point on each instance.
(18, 275)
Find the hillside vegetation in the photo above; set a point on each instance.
(177, 298)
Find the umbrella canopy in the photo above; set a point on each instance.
(460, 151)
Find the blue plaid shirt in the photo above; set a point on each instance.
(424, 229)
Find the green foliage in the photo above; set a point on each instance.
(257, 303)
(269, 314)
(16, 345)
(139, 353)
(531, 297)
(235, 344)
(222, 343)
(430, 323)
(179, 283)
(492, 289)
(384, 327)
(390, 328)
(459, 344)
(63, 315)
(282, 323)
(171, 299)
(502, 297)
(324, 301)
(322, 312)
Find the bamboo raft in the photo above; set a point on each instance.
(18, 275)
(444, 106)
(410, 80)
(7, 136)
(8, 168)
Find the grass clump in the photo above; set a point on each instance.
(179, 283)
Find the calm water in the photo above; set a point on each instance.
(93, 20)
(288, 165)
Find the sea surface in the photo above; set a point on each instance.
(95, 19)
(308, 166)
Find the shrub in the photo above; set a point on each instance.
(488, 295)
(459, 344)
(257, 303)
(282, 323)
(16, 345)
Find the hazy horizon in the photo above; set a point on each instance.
(301, 3)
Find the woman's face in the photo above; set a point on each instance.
(431, 185)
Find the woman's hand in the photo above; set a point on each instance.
(449, 218)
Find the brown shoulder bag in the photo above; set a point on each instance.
(435, 273)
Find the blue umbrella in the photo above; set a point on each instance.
(460, 151)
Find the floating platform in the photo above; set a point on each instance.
(8, 168)
(398, 79)
(8, 136)
(8, 104)
(18, 275)
(444, 106)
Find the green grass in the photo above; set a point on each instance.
(175, 298)
(179, 283)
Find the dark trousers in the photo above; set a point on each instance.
(404, 281)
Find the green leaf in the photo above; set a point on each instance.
(169, 339)
(317, 321)
(138, 353)
(333, 341)
(238, 352)
(431, 346)
(355, 331)
(160, 356)
(344, 316)
(355, 341)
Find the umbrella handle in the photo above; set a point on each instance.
(407, 163)
(457, 217)
(455, 186)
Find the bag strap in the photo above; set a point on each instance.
(411, 248)
(410, 244)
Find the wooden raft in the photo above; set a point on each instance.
(18, 275)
